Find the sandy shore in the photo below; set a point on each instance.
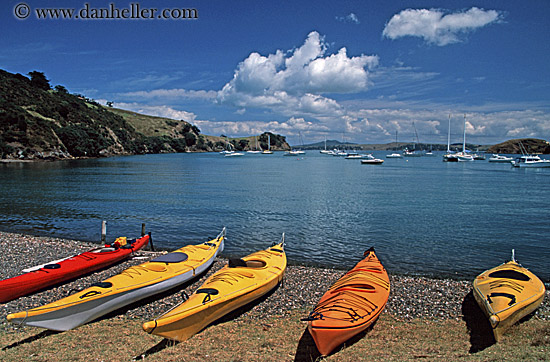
(410, 297)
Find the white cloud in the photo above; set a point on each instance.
(380, 124)
(294, 83)
(350, 18)
(159, 111)
(170, 93)
(376, 124)
(436, 27)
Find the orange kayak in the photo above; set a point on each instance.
(351, 305)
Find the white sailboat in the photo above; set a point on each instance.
(449, 156)
(464, 156)
(229, 149)
(395, 154)
(299, 151)
(268, 151)
(325, 151)
(413, 153)
(256, 150)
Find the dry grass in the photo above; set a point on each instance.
(276, 339)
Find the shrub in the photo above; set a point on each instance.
(82, 140)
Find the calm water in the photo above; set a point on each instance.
(422, 215)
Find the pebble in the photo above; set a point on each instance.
(411, 297)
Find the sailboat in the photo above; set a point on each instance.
(296, 152)
(229, 149)
(463, 156)
(413, 153)
(449, 156)
(395, 154)
(268, 151)
(325, 151)
(255, 150)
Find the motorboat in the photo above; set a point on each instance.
(528, 161)
(372, 161)
(500, 158)
(233, 154)
(354, 156)
(294, 153)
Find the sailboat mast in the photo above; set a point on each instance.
(449, 136)
(464, 139)
(416, 134)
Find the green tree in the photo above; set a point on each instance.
(190, 139)
(61, 89)
(38, 80)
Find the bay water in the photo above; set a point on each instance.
(423, 216)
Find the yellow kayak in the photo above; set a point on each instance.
(133, 284)
(506, 294)
(233, 286)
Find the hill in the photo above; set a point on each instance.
(530, 145)
(38, 122)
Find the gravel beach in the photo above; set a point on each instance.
(410, 297)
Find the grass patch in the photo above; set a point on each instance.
(274, 339)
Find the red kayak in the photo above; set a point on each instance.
(60, 271)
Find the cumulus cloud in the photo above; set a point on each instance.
(296, 82)
(159, 111)
(375, 124)
(436, 27)
(380, 125)
(350, 18)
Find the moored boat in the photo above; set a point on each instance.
(234, 154)
(351, 304)
(464, 156)
(530, 161)
(235, 285)
(294, 153)
(372, 161)
(500, 158)
(506, 294)
(395, 154)
(356, 156)
(450, 157)
(135, 283)
(63, 270)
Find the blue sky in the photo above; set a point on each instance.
(354, 70)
